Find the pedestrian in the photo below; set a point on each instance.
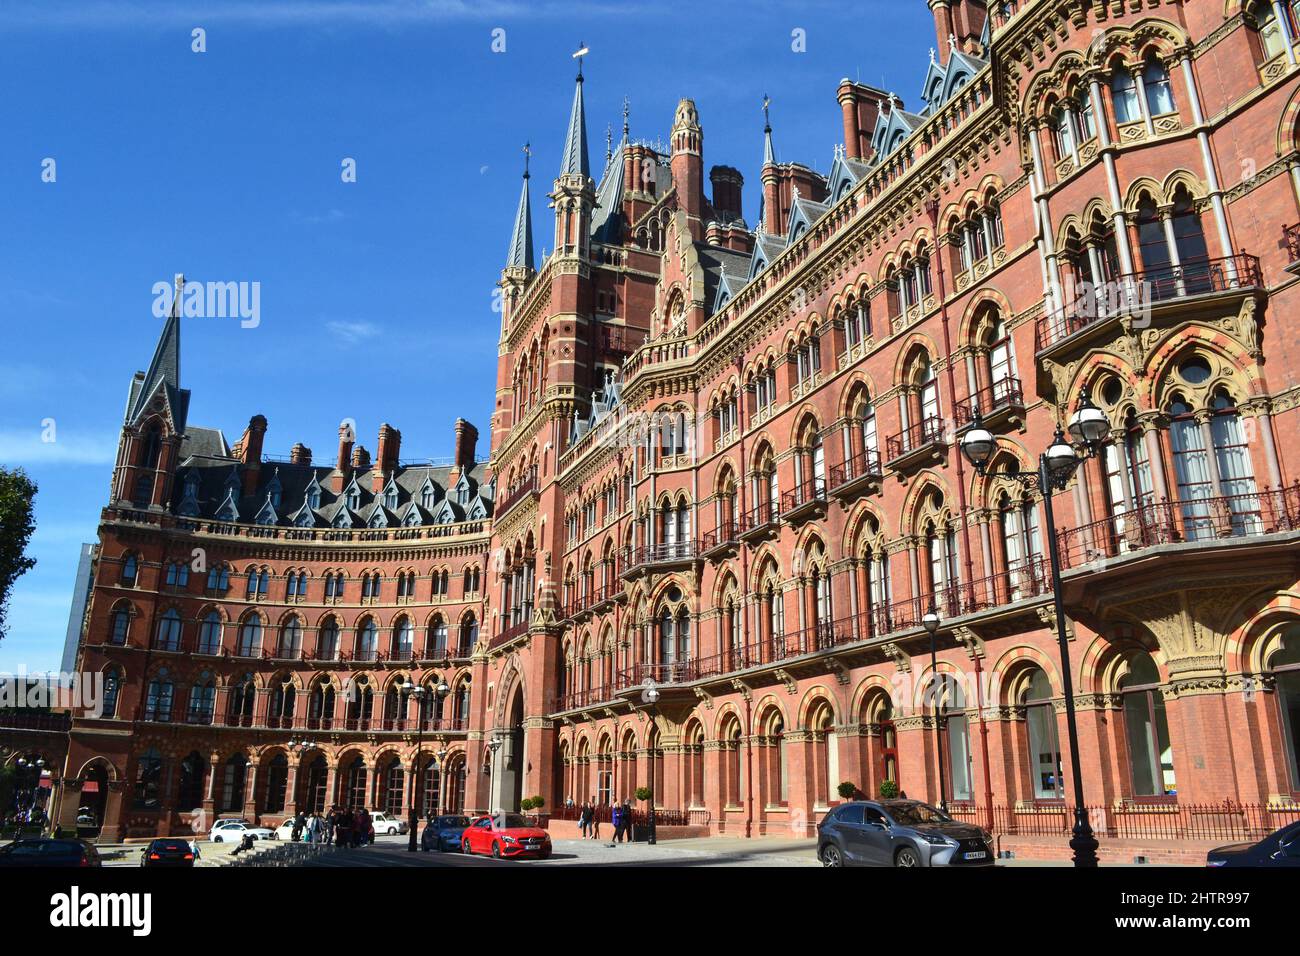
(627, 821)
(584, 818)
(331, 819)
(616, 818)
(299, 824)
(595, 819)
(343, 828)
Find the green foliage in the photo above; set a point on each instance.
(17, 522)
(643, 793)
(526, 804)
(888, 790)
(847, 790)
(538, 803)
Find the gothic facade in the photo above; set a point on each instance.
(725, 480)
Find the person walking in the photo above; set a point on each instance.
(616, 818)
(595, 819)
(343, 829)
(584, 819)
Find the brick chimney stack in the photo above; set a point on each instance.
(299, 454)
(390, 443)
(360, 458)
(861, 105)
(727, 185)
(347, 435)
(466, 441)
(249, 451)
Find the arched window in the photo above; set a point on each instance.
(1123, 90)
(1159, 91)
(367, 641)
(112, 685)
(1044, 746)
(1151, 760)
(283, 700)
(320, 707)
(189, 795)
(242, 696)
(327, 643)
(1061, 124)
(210, 634)
(952, 707)
(119, 625)
(468, 636)
(291, 638)
(234, 775)
(169, 631)
(437, 638)
(355, 779)
(404, 640)
(277, 783)
(361, 705)
(148, 780)
(203, 696)
(130, 569)
(250, 637)
(158, 699)
(1284, 664)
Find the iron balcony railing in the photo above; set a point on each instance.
(928, 431)
(1003, 394)
(725, 535)
(1142, 289)
(804, 493)
(865, 464)
(1262, 512)
(518, 493)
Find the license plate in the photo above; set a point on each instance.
(976, 855)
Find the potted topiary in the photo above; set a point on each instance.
(526, 804)
(888, 790)
(647, 831)
(847, 790)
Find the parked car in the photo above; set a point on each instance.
(167, 851)
(284, 831)
(506, 836)
(443, 834)
(1277, 849)
(60, 853)
(387, 823)
(232, 831)
(899, 833)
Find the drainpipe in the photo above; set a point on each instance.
(749, 768)
(932, 207)
(984, 741)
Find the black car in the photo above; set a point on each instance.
(443, 833)
(899, 833)
(1277, 849)
(167, 852)
(60, 853)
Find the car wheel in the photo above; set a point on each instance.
(831, 855)
(907, 857)
(217, 839)
(496, 851)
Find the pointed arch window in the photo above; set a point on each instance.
(1123, 91)
(169, 631)
(112, 685)
(120, 626)
(1159, 91)
(130, 569)
(158, 699)
(1044, 745)
(250, 637)
(1151, 760)
(327, 644)
(367, 641)
(210, 634)
(291, 639)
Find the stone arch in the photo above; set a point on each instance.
(1011, 666)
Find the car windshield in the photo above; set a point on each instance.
(912, 814)
(453, 822)
(510, 821)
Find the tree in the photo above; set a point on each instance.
(17, 522)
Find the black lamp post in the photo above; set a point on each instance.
(651, 696)
(931, 622)
(1088, 426)
(419, 692)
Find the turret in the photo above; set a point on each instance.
(688, 165)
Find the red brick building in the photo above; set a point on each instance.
(725, 458)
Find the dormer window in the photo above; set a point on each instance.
(354, 498)
(426, 496)
(313, 494)
(273, 491)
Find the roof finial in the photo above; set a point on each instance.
(931, 54)
(609, 142)
(952, 41)
(625, 112)
(528, 152)
(767, 121)
(578, 55)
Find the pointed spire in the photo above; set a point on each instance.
(521, 239)
(626, 109)
(575, 141)
(165, 368)
(769, 155)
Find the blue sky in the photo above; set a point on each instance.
(375, 295)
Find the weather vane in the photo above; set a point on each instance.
(528, 152)
(582, 51)
(767, 123)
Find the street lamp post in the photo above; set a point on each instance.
(651, 696)
(1088, 426)
(931, 622)
(419, 692)
(493, 746)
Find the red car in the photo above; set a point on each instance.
(507, 835)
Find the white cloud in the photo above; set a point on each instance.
(352, 332)
(25, 447)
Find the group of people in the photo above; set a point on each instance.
(341, 826)
(620, 816)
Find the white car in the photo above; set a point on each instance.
(387, 823)
(232, 831)
(284, 831)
